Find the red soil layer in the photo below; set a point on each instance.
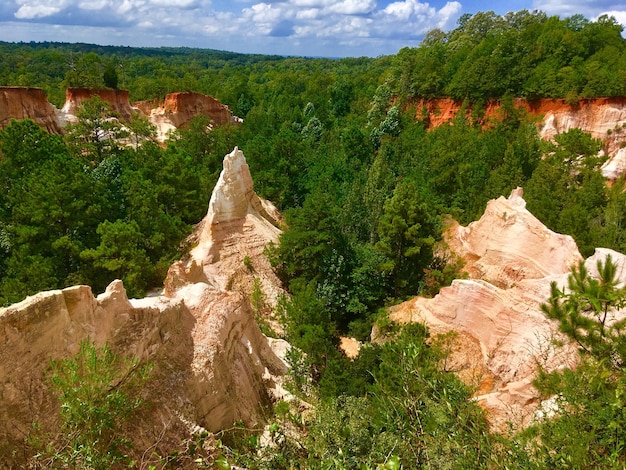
(118, 99)
(443, 110)
(27, 103)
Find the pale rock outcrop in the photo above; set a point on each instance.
(615, 166)
(501, 333)
(600, 254)
(350, 346)
(597, 116)
(508, 244)
(28, 103)
(212, 364)
(603, 118)
(234, 208)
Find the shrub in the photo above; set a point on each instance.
(93, 390)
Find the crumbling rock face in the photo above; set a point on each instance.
(603, 118)
(501, 333)
(212, 364)
(175, 112)
(598, 116)
(178, 109)
(117, 99)
(28, 103)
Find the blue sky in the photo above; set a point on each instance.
(328, 28)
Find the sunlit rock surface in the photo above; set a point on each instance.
(508, 244)
(178, 109)
(174, 112)
(118, 100)
(501, 334)
(212, 364)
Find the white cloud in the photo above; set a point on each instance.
(325, 18)
(95, 5)
(125, 7)
(412, 19)
(314, 27)
(174, 3)
(353, 7)
(27, 12)
(591, 10)
(33, 9)
(308, 14)
(585, 7)
(620, 16)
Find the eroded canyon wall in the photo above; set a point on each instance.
(28, 103)
(501, 336)
(178, 109)
(174, 112)
(212, 364)
(603, 118)
(118, 100)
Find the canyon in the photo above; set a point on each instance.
(211, 365)
(603, 118)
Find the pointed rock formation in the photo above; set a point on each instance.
(212, 364)
(238, 225)
(508, 244)
(501, 333)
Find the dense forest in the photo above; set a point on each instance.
(365, 188)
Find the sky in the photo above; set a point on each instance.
(317, 28)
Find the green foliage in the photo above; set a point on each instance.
(587, 428)
(524, 53)
(85, 71)
(405, 413)
(406, 232)
(335, 144)
(95, 210)
(120, 254)
(98, 394)
(44, 224)
(96, 135)
(587, 422)
(110, 76)
(308, 323)
(567, 191)
(588, 311)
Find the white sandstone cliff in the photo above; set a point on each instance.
(212, 364)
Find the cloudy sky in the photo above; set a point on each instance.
(329, 28)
